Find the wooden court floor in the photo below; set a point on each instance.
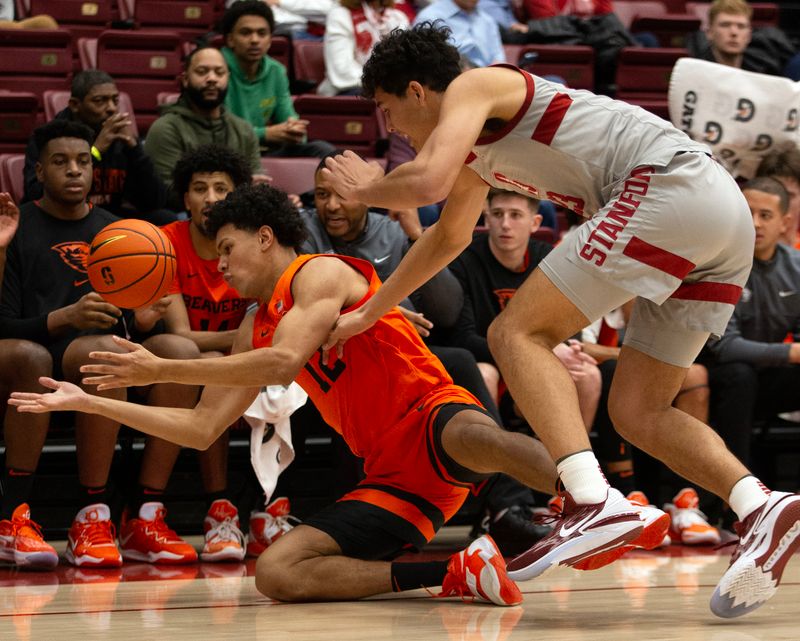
(645, 596)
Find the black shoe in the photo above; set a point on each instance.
(514, 531)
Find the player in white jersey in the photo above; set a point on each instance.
(668, 227)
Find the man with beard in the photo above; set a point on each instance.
(122, 172)
(199, 118)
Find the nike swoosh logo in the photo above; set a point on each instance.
(378, 261)
(78, 283)
(785, 294)
(123, 540)
(192, 275)
(568, 531)
(107, 241)
(264, 332)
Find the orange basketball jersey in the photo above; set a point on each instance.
(212, 304)
(384, 374)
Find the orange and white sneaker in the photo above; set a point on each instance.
(149, 538)
(650, 515)
(480, 572)
(90, 541)
(689, 525)
(268, 526)
(224, 540)
(21, 542)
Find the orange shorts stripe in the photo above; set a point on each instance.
(399, 507)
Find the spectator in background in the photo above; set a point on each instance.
(7, 20)
(784, 166)
(473, 31)
(200, 118)
(300, 19)
(490, 271)
(124, 178)
(259, 87)
(506, 13)
(53, 319)
(729, 40)
(351, 31)
(754, 372)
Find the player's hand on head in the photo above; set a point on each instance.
(418, 320)
(9, 219)
(65, 397)
(92, 312)
(135, 367)
(348, 172)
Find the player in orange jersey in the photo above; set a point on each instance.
(425, 442)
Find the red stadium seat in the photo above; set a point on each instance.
(627, 10)
(643, 77)
(35, 60)
(87, 53)
(546, 235)
(56, 101)
(344, 121)
(168, 97)
(143, 64)
(85, 19)
(292, 175)
(573, 63)
(11, 178)
(190, 18)
(18, 111)
(309, 62)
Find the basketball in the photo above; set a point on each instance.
(131, 263)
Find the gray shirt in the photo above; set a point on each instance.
(384, 243)
(768, 310)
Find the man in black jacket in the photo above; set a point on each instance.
(122, 172)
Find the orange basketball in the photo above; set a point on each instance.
(131, 263)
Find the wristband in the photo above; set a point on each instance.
(96, 153)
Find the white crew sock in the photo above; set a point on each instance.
(747, 495)
(580, 473)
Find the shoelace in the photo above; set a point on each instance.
(163, 530)
(226, 531)
(97, 532)
(17, 525)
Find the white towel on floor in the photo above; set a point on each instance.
(271, 449)
(741, 115)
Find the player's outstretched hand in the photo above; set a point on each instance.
(65, 397)
(132, 368)
(348, 172)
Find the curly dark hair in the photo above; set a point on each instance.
(245, 8)
(209, 159)
(250, 207)
(61, 129)
(421, 53)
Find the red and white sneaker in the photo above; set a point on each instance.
(587, 537)
(224, 540)
(268, 526)
(480, 572)
(90, 541)
(689, 525)
(767, 539)
(149, 538)
(21, 542)
(653, 518)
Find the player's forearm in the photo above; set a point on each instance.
(178, 425)
(256, 368)
(409, 185)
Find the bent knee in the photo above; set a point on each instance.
(172, 346)
(25, 359)
(278, 580)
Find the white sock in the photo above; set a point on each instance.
(580, 473)
(747, 495)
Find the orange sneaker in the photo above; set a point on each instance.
(689, 525)
(149, 539)
(224, 540)
(90, 541)
(21, 542)
(480, 572)
(638, 497)
(266, 527)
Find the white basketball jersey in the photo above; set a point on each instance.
(572, 146)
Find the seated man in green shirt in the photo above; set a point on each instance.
(258, 90)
